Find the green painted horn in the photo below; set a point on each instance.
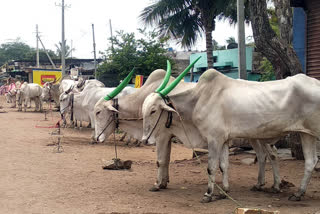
(117, 90)
(170, 87)
(166, 78)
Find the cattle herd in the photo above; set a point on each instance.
(207, 114)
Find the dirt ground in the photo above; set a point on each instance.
(34, 178)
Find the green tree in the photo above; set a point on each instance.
(145, 55)
(16, 50)
(186, 20)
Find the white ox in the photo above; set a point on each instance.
(129, 110)
(130, 114)
(81, 105)
(28, 92)
(11, 94)
(53, 90)
(219, 109)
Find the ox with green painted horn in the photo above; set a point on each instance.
(129, 110)
(120, 87)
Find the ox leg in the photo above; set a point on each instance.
(63, 117)
(40, 104)
(137, 142)
(13, 101)
(271, 152)
(214, 149)
(80, 125)
(28, 102)
(309, 146)
(19, 105)
(261, 156)
(36, 102)
(163, 146)
(128, 141)
(224, 165)
(123, 136)
(25, 104)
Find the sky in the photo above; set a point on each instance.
(19, 19)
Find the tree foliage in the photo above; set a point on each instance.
(18, 50)
(67, 48)
(267, 70)
(145, 55)
(186, 20)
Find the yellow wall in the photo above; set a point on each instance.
(42, 76)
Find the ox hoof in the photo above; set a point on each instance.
(256, 188)
(154, 189)
(271, 190)
(93, 141)
(294, 197)
(206, 199)
(220, 196)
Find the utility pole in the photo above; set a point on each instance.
(111, 34)
(71, 51)
(63, 41)
(94, 53)
(242, 68)
(52, 63)
(37, 35)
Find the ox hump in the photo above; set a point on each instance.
(209, 75)
(155, 75)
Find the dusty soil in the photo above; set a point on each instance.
(34, 178)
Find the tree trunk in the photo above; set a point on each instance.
(276, 50)
(284, 14)
(209, 48)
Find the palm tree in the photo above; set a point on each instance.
(186, 20)
(67, 51)
(230, 40)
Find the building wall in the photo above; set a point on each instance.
(313, 38)
(299, 34)
(224, 58)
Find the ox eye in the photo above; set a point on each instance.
(98, 113)
(152, 112)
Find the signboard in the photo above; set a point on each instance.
(139, 81)
(41, 76)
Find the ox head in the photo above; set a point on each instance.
(104, 112)
(155, 106)
(45, 95)
(46, 90)
(65, 101)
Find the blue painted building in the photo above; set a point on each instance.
(225, 61)
(306, 35)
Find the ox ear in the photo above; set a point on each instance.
(111, 108)
(168, 108)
